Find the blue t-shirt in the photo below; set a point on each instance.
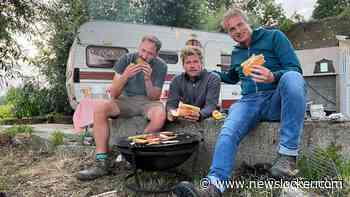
(135, 85)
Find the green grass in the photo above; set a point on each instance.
(325, 161)
(329, 154)
(3, 183)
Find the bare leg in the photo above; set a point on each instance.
(104, 109)
(156, 115)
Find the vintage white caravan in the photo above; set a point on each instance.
(99, 44)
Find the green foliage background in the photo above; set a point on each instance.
(328, 8)
(29, 100)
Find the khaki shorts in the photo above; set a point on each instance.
(135, 105)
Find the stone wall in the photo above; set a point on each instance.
(258, 147)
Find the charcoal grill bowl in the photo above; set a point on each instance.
(158, 157)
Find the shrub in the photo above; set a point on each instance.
(286, 25)
(57, 138)
(13, 131)
(54, 116)
(29, 100)
(345, 13)
(314, 166)
(6, 111)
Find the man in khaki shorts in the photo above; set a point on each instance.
(135, 90)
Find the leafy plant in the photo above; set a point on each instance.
(54, 116)
(345, 13)
(181, 13)
(57, 137)
(54, 49)
(6, 111)
(13, 131)
(286, 24)
(317, 166)
(326, 163)
(213, 20)
(329, 8)
(29, 100)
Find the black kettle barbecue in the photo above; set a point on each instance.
(158, 155)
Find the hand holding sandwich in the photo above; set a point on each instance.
(131, 70)
(186, 111)
(193, 116)
(254, 67)
(261, 74)
(172, 115)
(145, 68)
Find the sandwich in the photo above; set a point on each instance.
(253, 60)
(185, 110)
(140, 61)
(217, 115)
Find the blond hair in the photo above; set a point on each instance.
(191, 50)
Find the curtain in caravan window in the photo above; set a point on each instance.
(169, 57)
(103, 57)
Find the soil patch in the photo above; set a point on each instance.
(36, 169)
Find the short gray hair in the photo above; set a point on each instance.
(231, 13)
(153, 39)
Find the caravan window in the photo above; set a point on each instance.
(226, 59)
(103, 57)
(169, 57)
(225, 62)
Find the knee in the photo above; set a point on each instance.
(292, 76)
(103, 108)
(157, 113)
(293, 80)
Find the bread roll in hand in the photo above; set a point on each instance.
(185, 110)
(253, 60)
